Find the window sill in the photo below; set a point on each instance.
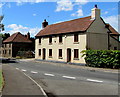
(50, 43)
(76, 42)
(76, 58)
(39, 43)
(60, 57)
(50, 56)
(60, 43)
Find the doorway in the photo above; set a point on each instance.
(68, 55)
(44, 53)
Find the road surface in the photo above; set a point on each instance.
(63, 79)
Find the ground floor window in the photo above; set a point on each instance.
(39, 52)
(50, 52)
(115, 48)
(5, 51)
(76, 53)
(9, 52)
(60, 52)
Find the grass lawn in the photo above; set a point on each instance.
(1, 80)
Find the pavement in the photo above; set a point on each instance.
(93, 69)
(71, 65)
(17, 83)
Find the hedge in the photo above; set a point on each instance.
(102, 58)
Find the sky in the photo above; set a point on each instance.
(24, 16)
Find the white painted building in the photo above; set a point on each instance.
(64, 41)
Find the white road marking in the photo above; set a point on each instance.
(34, 72)
(23, 70)
(69, 77)
(17, 68)
(95, 80)
(49, 74)
(37, 85)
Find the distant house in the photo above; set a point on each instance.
(16, 42)
(64, 41)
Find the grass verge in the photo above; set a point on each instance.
(1, 80)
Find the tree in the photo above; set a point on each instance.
(5, 36)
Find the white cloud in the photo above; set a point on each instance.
(67, 5)
(78, 13)
(2, 4)
(82, 2)
(34, 31)
(21, 2)
(64, 5)
(34, 14)
(112, 20)
(9, 5)
(106, 12)
(13, 28)
(37, 1)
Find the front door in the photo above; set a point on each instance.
(44, 53)
(68, 55)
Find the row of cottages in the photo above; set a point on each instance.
(64, 41)
(15, 43)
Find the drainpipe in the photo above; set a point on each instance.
(108, 40)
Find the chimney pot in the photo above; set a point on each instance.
(96, 6)
(28, 35)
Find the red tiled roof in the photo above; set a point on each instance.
(81, 24)
(17, 37)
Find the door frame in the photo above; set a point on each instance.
(68, 54)
(44, 54)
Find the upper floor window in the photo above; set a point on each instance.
(60, 39)
(40, 40)
(50, 39)
(75, 37)
(9, 45)
(5, 45)
(76, 53)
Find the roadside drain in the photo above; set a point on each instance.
(49, 94)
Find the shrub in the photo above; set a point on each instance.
(102, 58)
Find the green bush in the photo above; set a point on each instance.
(102, 58)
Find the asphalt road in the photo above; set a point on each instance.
(62, 79)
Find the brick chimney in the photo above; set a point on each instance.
(95, 13)
(44, 24)
(28, 35)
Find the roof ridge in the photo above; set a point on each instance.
(79, 24)
(69, 20)
(16, 35)
(25, 37)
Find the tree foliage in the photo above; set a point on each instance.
(102, 58)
